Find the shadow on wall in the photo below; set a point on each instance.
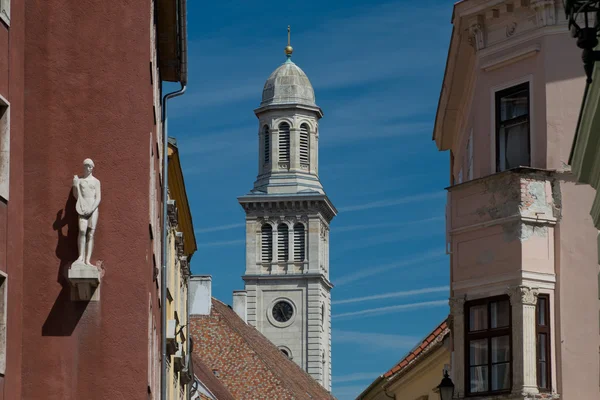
(65, 314)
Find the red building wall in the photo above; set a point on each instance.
(88, 94)
(11, 212)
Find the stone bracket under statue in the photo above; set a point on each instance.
(83, 276)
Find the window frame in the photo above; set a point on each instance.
(545, 329)
(4, 149)
(5, 11)
(266, 227)
(497, 96)
(488, 334)
(284, 137)
(266, 145)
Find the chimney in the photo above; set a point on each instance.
(239, 304)
(200, 297)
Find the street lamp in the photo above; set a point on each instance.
(446, 387)
(587, 36)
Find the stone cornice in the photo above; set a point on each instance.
(257, 277)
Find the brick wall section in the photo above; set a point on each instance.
(246, 362)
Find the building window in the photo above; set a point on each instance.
(284, 142)
(299, 245)
(5, 11)
(4, 148)
(267, 242)
(543, 342)
(512, 128)
(488, 345)
(283, 242)
(267, 142)
(304, 144)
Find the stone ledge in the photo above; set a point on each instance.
(85, 281)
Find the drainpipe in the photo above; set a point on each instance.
(182, 27)
(163, 253)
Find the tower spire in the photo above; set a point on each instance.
(288, 49)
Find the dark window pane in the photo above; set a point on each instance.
(478, 352)
(541, 311)
(479, 379)
(514, 105)
(500, 349)
(501, 376)
(542, 373)
(478, 318)
(514, 145)
(500, 314)
(542, 346)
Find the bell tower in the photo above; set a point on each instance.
(287, 226)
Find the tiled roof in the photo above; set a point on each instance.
(427, 344)
(246, 362)
(212, 383)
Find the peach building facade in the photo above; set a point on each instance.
(524, 295)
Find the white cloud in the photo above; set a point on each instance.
(393, 202)
(374, 270)
(222, 243)
(391, 295)
(220, 228)
(388, 309)
(356, 377)
(373, 340)
(362, 227)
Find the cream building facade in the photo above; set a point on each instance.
(524, 305)
(287, 288)
(181, 245)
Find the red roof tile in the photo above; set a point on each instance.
(438, 332)
(247, 363)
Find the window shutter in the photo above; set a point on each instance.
(299, 244)
(304, 147)
(267, 243)
(282, 242)
(284, 142)
(267, 139)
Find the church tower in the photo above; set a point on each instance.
(287, 226)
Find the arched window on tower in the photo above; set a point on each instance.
(299, 242)
(304, 144)
(267, 143)
(267, 243)
(283, 242)
(284, 142)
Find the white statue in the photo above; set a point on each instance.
(87, 192)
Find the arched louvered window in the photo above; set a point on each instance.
(284, 142)
(299, 242)
(304, 144)
(267, 242)
(267, 143)
(283, 243)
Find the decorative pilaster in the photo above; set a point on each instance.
(545, 11)
(476, 33)
(457, 316)
(523, 300)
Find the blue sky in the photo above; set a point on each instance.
(376, 68)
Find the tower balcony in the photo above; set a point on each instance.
(501, 228)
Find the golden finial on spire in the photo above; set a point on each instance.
(289, 49)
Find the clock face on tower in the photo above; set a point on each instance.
(282, 311)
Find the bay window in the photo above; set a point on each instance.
(512, 128)
(488, 345)
(542, 322)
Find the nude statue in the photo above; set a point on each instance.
(87, 192)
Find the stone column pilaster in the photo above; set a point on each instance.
(523, 300)
(457, 323)
(294, 148)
